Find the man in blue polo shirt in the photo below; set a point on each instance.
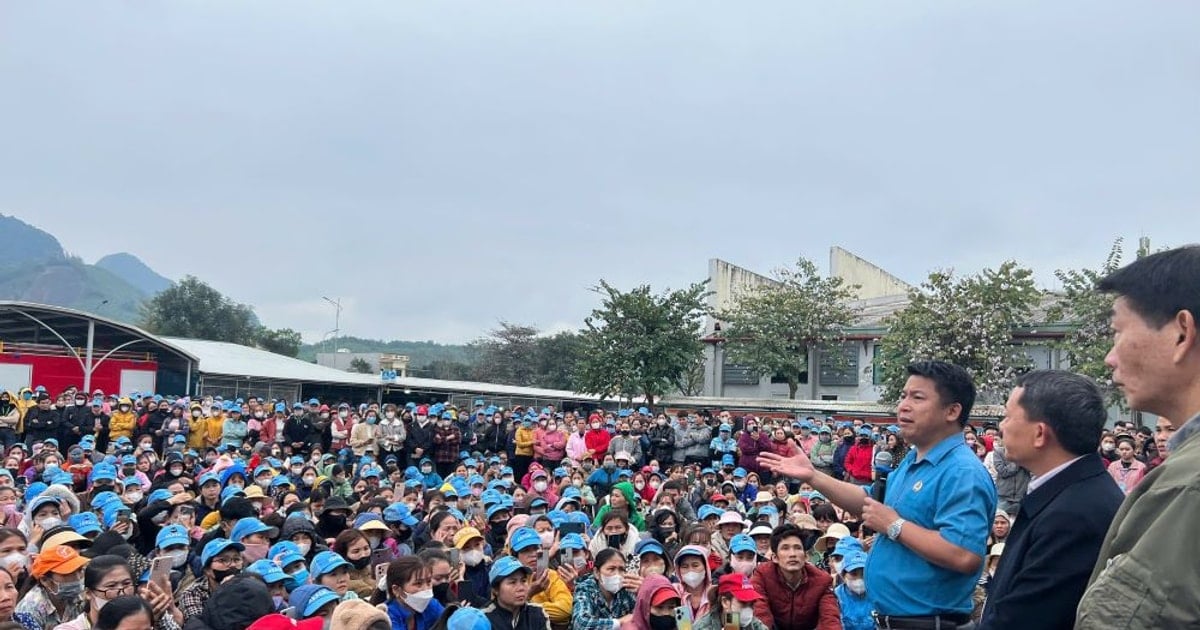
(940, 501)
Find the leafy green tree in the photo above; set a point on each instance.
(283, 341)
(557, 356)
(639, 343)
(359, 365)
(771, 327)
(445, 369)
(194, 309)
(966, 321)
(508, 355)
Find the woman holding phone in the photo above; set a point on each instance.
(606, 596)
(731, 606)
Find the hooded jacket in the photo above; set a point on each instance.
(635, 518)
(641, 612)
(10, 414)
(293, 525)
(681, 588)
(23, 406)
(122, 423)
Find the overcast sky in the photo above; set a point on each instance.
(441, 166)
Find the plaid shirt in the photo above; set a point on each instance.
(592, 612)
(192, 599)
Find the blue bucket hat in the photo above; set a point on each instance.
(504, 567)
(215, 547)
(170, 536)
(325, 563)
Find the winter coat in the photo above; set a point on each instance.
(628, 444)
(391, 434)
(550, 445)
(298, 430)
(810, 605)
(233, 432)
(447, 441)
(576, 447)
(41, 424)
(597, 442)
(786, 448)
(493, 438)
(1012, 481)
(822, 455)
(839, 457)
(363, 436)
(339, 432)
(525, 438)
(750, 447)
(662, 443)
(859, 462)
(692, 441)
(420, 440)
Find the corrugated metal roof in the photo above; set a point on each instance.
(219, 357)
(473, 387)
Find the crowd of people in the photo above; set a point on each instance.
(144, 511)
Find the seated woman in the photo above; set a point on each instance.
(731, 605)
(606, 596)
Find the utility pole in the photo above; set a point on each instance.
(337, 318)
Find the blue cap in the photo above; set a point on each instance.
(366, 517)
(742, 542)
(42, 500)
(506, 566)
(399, 513)
(215, 547)
(724, 428)
(309, 598)
(325, 563)
(494, 509)
(112, 511)
(129, 460)
(854, 560)
(85, 523)
(739, 473)
(572, 541)
(571, 492)
(207, 477)
(171, 535)
(524, 538)
(263, 468)
(103, 472)
(864, 431)
(281, 480)
(313, 401)
(846, 545)
(468, 619)
(727, 459)
(248, 526)
(706, 511)
(648, 545)
(162, 494)
(268, 571)
(557, 517)
(101, 500)
(280, 408)
(228, 492)
(282, 547)
(708, 471)
(624, 413)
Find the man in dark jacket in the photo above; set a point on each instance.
(76, 422)
(1052, 427)
(42, 421)
(839, 455)
(420, 435)
(298, 430)
(662, 441)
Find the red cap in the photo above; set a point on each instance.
(719, 497)
(739, 586)
(664, 594)
(280, 622)
(422, 410)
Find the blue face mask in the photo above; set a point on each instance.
(297, 579)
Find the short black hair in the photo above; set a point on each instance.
(953, 384)
(786, 530)
(1071, 404)
(120, 609)
(1160, 285)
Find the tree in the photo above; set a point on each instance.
(967, 322)
(557, 356)
(639, 343)
(771, 327)
(191, 308)
(283, 341)
(508, 355)
(1087, 312)
(445, 369)
(359, 365)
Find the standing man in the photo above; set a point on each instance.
(939, 505)
(1052, 426)
(1146, 575)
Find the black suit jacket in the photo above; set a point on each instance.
(1052, 548)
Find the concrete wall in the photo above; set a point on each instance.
(726, 281)
(872, 280)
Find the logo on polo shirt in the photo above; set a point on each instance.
(917, 486)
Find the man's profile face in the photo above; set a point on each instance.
(1142, 358)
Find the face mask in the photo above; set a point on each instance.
(178, 558)
(661, 423)
(639, 485)
(296, 469)
(693, 579)
(343, 414)
(662, 622)
(551, 427)
(391, 415)
(539, 486)
(278, 600)
(221, 575)
(547, 539)
(420, 600)
(836, 565)
(299, 577)
(610, 465)
(304, 548)
(611, 584)
(624, 432)
(857, 586)
(361, 563)
(745, 616)
(49, 522)
(370, 419)
(616, 540)
(308, 481)
(745, 567)
(427, 469)
(259, 415)
(15, 557)
(579, 562)
(133, 497)
(578, 483)
(336, 522)
(255, 551)
(69, 590)
(595, 425)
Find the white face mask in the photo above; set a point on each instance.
(857, 586)
(745, 616)
(420, 600)
(15, 557)
(693, 579)
(547, 539)
(472, 558)
(611, 584)
(304, 548)
(49, 522)
(539, 486)
(98, 603)
(178, 558)
(745, 567)
(836, 565)
(580, 562)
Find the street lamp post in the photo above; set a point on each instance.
(337, 317)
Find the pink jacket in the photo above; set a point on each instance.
(1127, 478)
(550, 445)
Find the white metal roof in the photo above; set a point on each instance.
(474, 387)
(219, 357)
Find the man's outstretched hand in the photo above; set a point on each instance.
(798, 465)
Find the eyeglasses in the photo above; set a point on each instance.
(227, 561)
(113, 591)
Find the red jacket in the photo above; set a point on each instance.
(859, 461)
(597, 441)
(811, 606)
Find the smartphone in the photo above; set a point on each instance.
(381, 556)
(683, 618)
(570, 528)
(566, 558)
(455, 557)
(380, 571)
(543, 562)
(731, 622)
(160, 571)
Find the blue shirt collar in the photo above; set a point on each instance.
(941, 449)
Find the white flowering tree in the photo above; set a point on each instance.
(966, 321)
(771, 327)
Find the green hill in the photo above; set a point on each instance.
(131, 269)
(71, 283)
(420, 353)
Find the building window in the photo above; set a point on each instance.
(877, 363)
(734, 374)
(839, 365)
(780, 379)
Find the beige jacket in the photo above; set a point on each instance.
(1147, 574)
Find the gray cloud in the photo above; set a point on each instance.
(444, 166)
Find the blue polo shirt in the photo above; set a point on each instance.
(948, 491)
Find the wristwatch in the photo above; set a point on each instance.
(893, 530)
